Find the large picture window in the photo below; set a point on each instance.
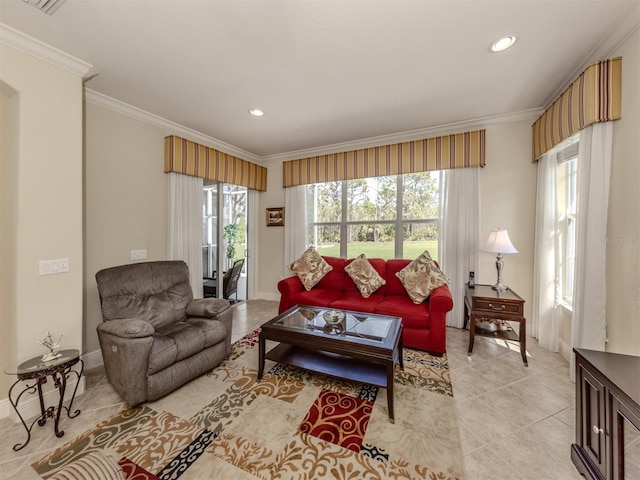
(384, 217)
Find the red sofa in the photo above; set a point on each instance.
(424, 325)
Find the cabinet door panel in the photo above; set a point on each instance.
(593, 420)
(625, 438)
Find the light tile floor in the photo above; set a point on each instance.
(516, 422)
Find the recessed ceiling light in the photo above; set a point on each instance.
(256, 112)
(503, 43)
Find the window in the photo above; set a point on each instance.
(566, 194)
(234, 201)
(385, 217)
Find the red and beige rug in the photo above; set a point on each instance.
(292, 425)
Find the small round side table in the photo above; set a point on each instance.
(35, 369)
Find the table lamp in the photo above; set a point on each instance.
(499, 242)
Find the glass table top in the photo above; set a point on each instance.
(35, 363)
(366, 326)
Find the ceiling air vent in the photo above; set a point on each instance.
(47, 6)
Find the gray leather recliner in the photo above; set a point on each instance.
(155, 336)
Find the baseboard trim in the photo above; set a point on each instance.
(269, 296)
(565, 351)
(92, 360)
(5, 407)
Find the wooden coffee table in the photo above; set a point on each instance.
(364, 347)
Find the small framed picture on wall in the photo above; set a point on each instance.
(275, 217)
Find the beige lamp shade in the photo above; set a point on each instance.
(499, 242)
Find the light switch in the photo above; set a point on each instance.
(50, 267)
(138, 254)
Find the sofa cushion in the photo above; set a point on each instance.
(320, 297)
(189, 339)
(394, 285)
(163, 353)
(174, 343)
(413, 315)
(310, 268)
(335, 279)
(213, 331)
(365, 277)
(356, 302)
(157, 292)
(420, 277)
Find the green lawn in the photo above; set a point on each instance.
(381, 249)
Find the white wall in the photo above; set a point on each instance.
(507, 201)
(9, 110)
(125, 199)
(47, 196)
(271, 247)
(623, 229)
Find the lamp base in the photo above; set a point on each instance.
(500, 287)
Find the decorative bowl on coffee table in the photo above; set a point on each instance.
(333, 317)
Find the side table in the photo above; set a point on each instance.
(35, 369)
(486, 306)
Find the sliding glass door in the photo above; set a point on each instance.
(224, 241)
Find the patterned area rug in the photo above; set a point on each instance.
(291, 425)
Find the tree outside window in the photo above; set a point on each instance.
(351, 217)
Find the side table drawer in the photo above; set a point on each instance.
(496, 306)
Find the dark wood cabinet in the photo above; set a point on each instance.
(592, 422)
(607, 415)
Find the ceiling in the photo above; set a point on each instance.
(328, 72)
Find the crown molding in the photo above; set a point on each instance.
(45, 52)
(607, 48)
(408, 136)
(170, 128)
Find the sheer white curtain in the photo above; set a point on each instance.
(295, 225)
(184, 238)
(459, 232)
(545, 326)
(251, 267)
(589, 327)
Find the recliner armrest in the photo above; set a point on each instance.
(127, 328)
(207, 307)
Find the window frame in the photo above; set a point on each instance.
(399, 222)
(567, 173)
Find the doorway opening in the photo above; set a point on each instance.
(225, 241)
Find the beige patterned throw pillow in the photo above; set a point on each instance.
(421, 277)
(310, 268)
(366, 278)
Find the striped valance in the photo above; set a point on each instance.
(595, 96)
(190, 158)
(439, 153)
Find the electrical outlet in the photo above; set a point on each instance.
(138, 254)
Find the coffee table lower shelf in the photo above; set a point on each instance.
(332, 364)
(367, 356)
